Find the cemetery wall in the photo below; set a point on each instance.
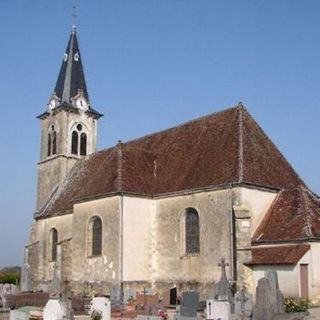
(105, 268)
(138, 238)
(171, 263)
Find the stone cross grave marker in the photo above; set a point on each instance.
(222, 289)
(243, 303)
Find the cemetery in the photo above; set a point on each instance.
(227, 302)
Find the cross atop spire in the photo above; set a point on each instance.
(71, 80)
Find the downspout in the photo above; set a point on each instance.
(121, 245)
(119, 187)
(232, 239)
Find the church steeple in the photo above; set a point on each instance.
(71, 80)
(68, 126)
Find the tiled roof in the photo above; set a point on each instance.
(289, 254)
(219, 149)
(294, 214)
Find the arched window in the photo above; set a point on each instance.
(53, 242)
(54, 143)
(94, 237)
(49, 145)
(74, 142)
(79, 140)
(192, 244)
(83, 144)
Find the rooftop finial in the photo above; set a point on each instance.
(74, 19)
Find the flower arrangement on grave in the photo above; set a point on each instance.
(96, 315)
(296, 305)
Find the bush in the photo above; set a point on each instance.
(296, 305)
(9, 277)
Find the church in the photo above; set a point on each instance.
(164, 209)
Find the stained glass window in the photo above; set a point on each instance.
(192, 231)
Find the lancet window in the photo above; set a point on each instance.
(94, 235)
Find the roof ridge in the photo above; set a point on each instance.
(306, 213)
(182, 124)
(274, 145)
(119, 166)
(240, 144)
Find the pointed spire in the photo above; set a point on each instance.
(71, 80)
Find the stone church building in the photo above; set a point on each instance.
(163, 209)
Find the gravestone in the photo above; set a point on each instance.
(115, 294)
(144, 317)
(221, 310)
(243, 303)
(173, 296)
(222, 289)
(276, 296)
(54, 309)
(262, 309)
(26, 285)
(101, 305)
(129, 294)
(189, 306)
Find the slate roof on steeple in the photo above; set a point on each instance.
(71, 76)
(222, 149)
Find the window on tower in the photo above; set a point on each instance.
(79, 141)
(49, 145)
(83, 144)
(74, 142)
(52, 141)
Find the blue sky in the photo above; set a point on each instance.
(152, 64)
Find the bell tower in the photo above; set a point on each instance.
(68, 126)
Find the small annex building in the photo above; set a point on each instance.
(162, 210)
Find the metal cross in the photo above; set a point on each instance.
(74, 16)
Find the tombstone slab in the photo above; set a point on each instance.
(26, 285)
(54, 310)
(221, 310)
(276, 296)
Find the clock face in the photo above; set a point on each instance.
(82, 103)
(52, 104)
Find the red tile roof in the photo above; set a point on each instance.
(219, 149)
(289, 254)
(294, 215)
